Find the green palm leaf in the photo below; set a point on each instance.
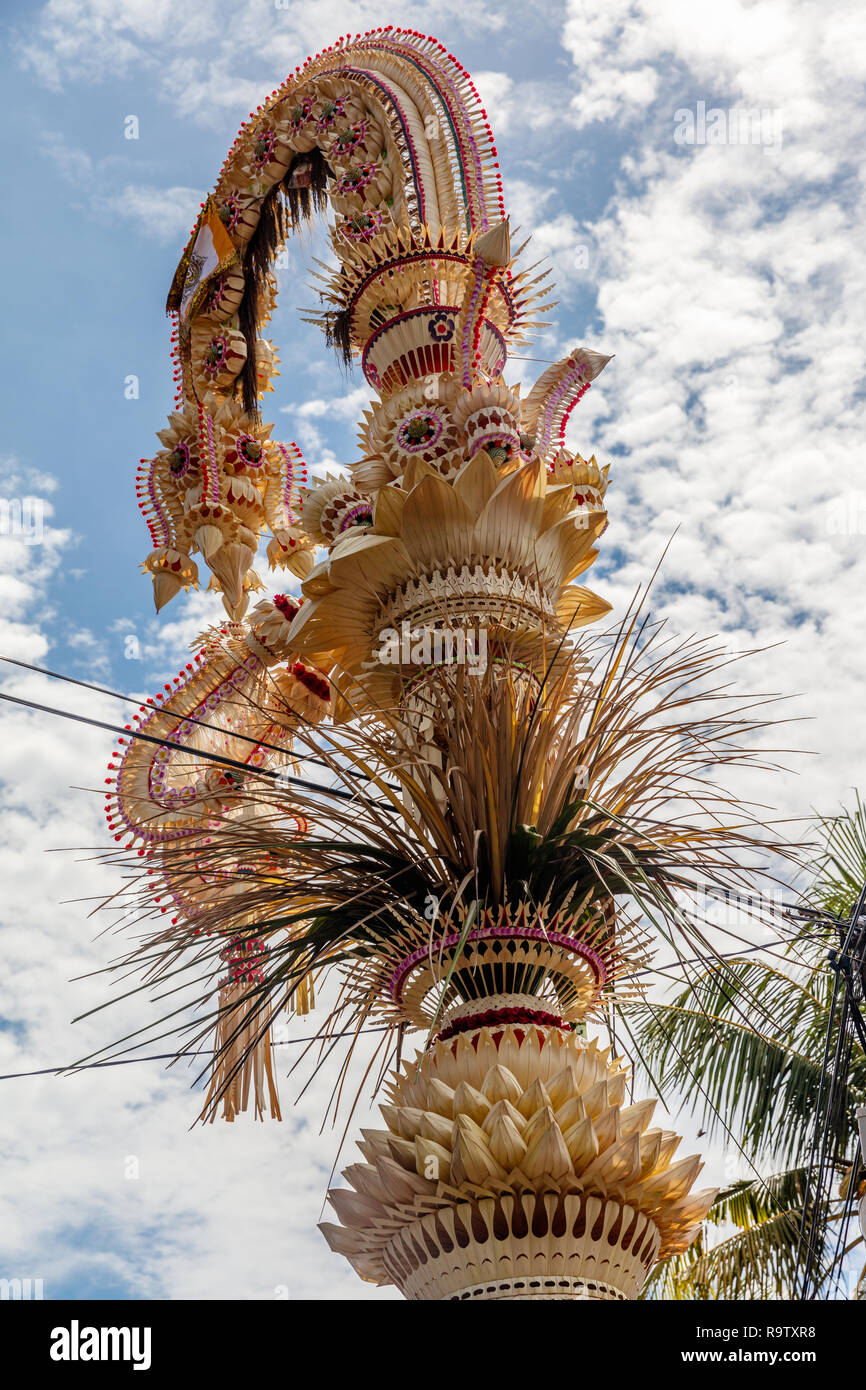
(840, 871)
(746, 1042)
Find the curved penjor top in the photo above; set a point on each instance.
(388, 130)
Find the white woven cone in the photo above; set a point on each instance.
(512, 1167)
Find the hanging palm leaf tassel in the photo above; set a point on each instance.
(305, 190)
(305, 996)
(338, 335)
(259, 256)
(243, 1064)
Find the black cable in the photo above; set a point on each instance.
(856, 1019)
(845, 1216)
(169, 1056)
(193, 753)
(185, 718)
(805, 1245)
(173, 1056)
(700, 960)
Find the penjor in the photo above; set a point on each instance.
(495, 832)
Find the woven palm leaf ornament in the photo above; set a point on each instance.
(514, 811)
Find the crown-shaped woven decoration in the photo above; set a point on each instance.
(511, 1166)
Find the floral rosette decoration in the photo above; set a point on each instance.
(441, 326)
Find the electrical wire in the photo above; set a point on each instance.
(272, 774)
(186, 718)
(173, 1056)
(291, 1042)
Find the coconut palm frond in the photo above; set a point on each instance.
(750, 1201)
(673, 1279)
(746, 1044)
(765, 1080)
(758, 1260)
(840, 869)
(760, 1257)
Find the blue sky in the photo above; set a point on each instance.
(726, 276)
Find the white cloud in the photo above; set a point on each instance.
(162, 214)
(727, 290)
(106, 1185)
(92, 39)
(305, 421)
(347, 407)
(496, 90)
(561, 243)
(208, 58)
(31, 552)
